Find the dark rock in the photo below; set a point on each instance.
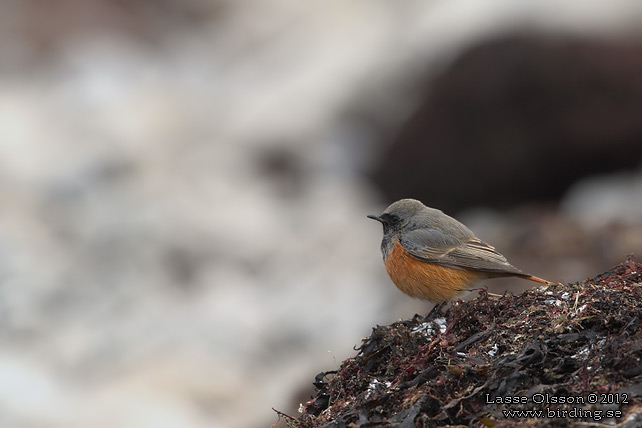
(519, 119)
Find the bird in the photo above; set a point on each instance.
(432, 256)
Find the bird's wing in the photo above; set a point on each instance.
(428, 244)
(468, 253)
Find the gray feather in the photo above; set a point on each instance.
(469, 253)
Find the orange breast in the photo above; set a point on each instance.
(427, 280)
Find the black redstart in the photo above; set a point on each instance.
(432, 256)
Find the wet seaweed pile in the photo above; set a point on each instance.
(554, 356)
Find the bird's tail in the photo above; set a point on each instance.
(536, 279)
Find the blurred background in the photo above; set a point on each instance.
(184, 184)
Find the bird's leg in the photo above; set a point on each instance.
(435, 310)
(485, 290)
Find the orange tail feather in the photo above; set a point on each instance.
(536, 279)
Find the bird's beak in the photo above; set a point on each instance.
(374, 217)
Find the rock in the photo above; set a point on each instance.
(519, 119)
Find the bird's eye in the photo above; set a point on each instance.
(390, 218)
